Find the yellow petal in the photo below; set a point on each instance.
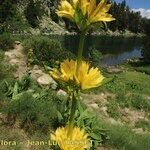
(84, 5)
(65, 14)
(65, 9)
(75, 2)
(100, 13)
(103, 17)
(68, 68)
(92, 79)
(99, 8)
(91, 7)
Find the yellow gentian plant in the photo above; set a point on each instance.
(84, 13)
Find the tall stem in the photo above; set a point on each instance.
(72, 113)
(74, 99)
(80, 49)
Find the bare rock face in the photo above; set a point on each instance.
(47, 80)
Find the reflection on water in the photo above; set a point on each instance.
(115, 50)
(120, 58)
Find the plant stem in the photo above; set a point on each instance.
(74, 99)
(80, 50)
(72, 113)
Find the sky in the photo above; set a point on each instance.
(139, 5)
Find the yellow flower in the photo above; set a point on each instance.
(65, 9)
(67, 71)
(88, 77)
(78, 141)
(85, 77)
(92, 13)
(99, 12)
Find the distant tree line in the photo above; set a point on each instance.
(126, 19)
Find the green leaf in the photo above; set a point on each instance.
(60, 117)
(15, 91)
(96, 136)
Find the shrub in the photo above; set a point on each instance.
(146, 50)
(94, 56)
(6, 41)
(33, 12)
(5, 69)
(46, 50)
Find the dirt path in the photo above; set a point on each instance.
(18, 59)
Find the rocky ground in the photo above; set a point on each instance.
(18, 60)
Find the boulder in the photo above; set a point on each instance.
(94, 106)
(46, 80)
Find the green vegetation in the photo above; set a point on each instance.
(46, 50)
(129, 81)
(33, 12)
(113, 108)
(11, 19)
(124, 138)
(6, 41)
(144, 124)
(94, 56)
(131, 90)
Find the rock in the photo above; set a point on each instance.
(10, 55)
(35, 74)
(14, 61)
(17, 42)
(104, 111)
(113, 69)
(102, 94)
(94, 106)
(36, 67)
(54, 86)
(61, 93)
(46, 80)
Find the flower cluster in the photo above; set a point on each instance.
(78, 141)
(85, 12)
(85, 77)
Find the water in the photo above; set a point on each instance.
(115, 50)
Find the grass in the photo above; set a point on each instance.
(136, 101)
(113, 108)
(144, 124)
(131, 89)
(127, 89)
(129, 81)
(124, 138)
